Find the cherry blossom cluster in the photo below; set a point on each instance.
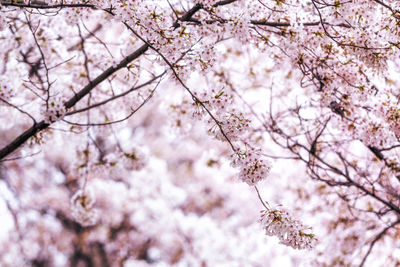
(72, 15)
(226, 124)
(82, 207)
(252, 165)
(233, 126)
(180, 46)
(152, 24)
(5, 89)
(239, 27)
(290, 231)
(220, 101)
(384, 123)
(54, 110)
(201, 60)
(230, 123)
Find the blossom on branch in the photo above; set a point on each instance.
(5, 89)
(252, 165)
(54, 109)
(290, 231)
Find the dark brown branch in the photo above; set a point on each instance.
(43, 5)
(107, 73)
(287, 24)
(383, 4)
(376, 152)
(280, 24)
(188, 15)
(133, 111)
(17, 142)
(116, 96)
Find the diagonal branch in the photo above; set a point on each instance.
(17, 142)
(376, 239)
(43, 5)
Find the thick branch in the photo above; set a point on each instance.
(17, 142)
(107, 73)
(44, 5)
(188, 15)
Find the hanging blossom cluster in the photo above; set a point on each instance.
(54, 110)
(253, 167)
(226, 123)
(232, 122)
(82, 207)
(290, 231)
(201, 59)
(232, 125)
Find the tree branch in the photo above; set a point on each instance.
(43, 5)
(379, 236)
(17, 142)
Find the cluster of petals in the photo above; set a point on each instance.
(214, 100)
(239, 28)
(290, 231)
(5, 90)
(233, 126)
(253, 167)
(230, 124)
(82, 207)
(54, 110)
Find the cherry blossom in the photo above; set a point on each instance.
(5, 90)
(289, 231)
(138, 133)
(252, 165)
(54, 109)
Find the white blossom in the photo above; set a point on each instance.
(290, 231)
